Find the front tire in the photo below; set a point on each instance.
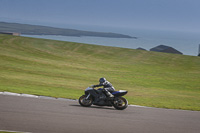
(120, 103)
(85, 102)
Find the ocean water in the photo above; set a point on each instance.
(185, 42)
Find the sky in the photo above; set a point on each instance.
(172, 15)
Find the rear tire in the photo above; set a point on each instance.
(120, 103)
(85, 102)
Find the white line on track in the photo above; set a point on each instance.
(13, 131)
(33, 96)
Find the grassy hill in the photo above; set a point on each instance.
(65, 69)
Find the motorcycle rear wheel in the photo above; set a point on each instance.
(85, 102)
(120, 103)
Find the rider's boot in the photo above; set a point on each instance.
(110, 96)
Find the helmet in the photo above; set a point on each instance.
(102, 80)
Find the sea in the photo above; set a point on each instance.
(186, 42)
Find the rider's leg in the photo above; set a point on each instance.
(107, 91)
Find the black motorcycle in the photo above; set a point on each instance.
(98, 97)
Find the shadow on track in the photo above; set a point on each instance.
(94, 107)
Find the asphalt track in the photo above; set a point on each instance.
(62, 116)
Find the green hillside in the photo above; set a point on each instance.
(65, 69)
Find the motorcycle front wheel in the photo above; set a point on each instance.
(85, 102)
(120, 103)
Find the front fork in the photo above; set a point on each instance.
(87, 96)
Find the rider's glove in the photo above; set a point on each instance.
(92, 86)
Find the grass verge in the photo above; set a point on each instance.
(65, 69)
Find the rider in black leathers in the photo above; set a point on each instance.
(107, 87)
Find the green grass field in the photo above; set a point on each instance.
(65, 69)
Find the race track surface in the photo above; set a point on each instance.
(61, 116)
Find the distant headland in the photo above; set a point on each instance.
(28, 29)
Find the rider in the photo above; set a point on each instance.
(107, 87)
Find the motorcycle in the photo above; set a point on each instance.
(98, 97)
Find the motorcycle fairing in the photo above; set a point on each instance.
(99, 97)
(119, 93)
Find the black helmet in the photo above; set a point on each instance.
(102, 80)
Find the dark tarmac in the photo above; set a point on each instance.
(62, 116)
